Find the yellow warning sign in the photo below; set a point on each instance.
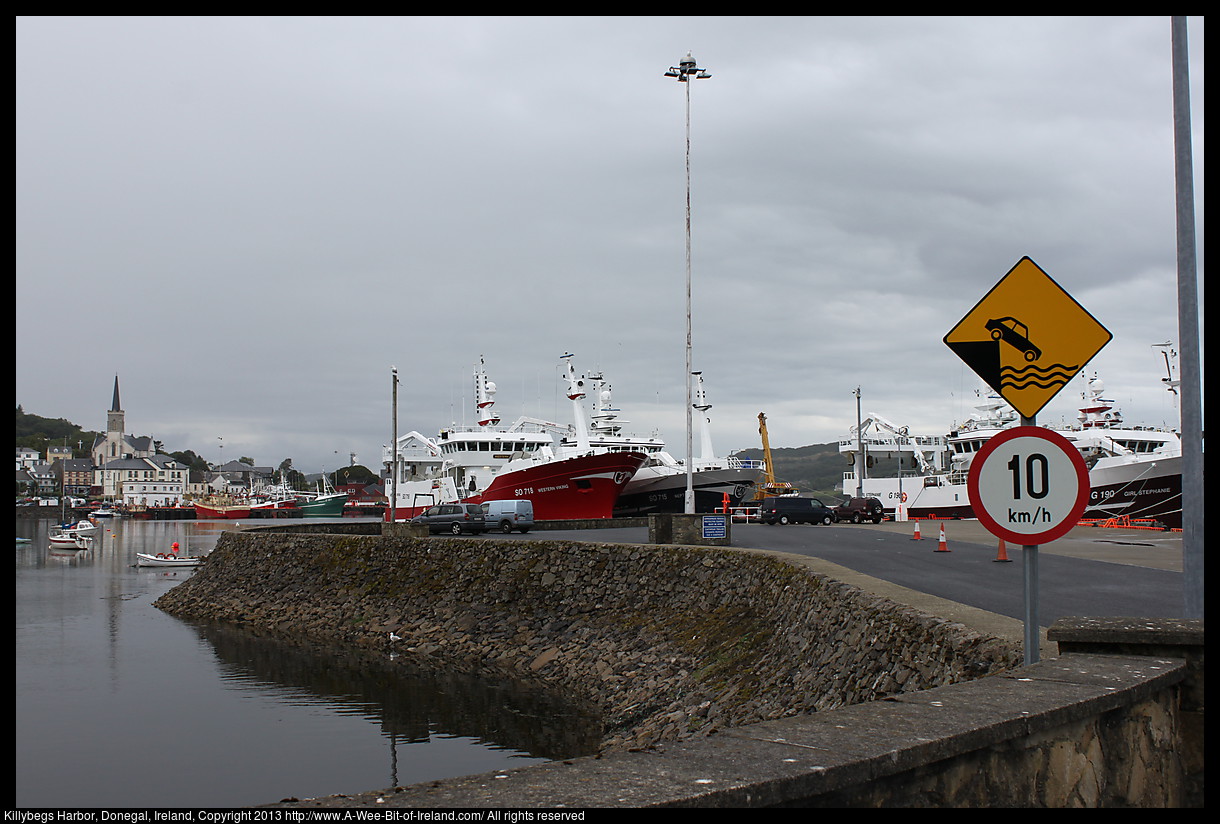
(1027, 338)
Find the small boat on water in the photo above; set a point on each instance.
(164, 560)
(103, 512)
(62, 541)
(78, 528)
(167, 559)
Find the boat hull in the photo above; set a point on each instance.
(331, 507)
(646, 494)
(145, 560)
(1137, 489)
(569, 489)
(221, 513)
(1134, 488)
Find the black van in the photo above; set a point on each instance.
(794, 510)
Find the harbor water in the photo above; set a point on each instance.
(121, 705)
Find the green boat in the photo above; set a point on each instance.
(328, 505)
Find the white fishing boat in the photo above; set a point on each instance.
(660, 484)
(487, 462)
(1135, 472)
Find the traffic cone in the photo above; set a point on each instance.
(941, 547)
(916, 536)
(1003, 553)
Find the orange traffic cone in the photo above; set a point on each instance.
(1003, 553)
(916, 536)
(941, 547)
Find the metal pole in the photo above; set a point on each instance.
(685, 72)
(1029, 573)
(690, 480)
(860, 458)
(1188, 333)
(394, 446)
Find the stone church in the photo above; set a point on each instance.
(114, 444)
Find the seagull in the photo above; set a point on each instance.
(394, 637)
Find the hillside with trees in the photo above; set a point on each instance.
(35, 432)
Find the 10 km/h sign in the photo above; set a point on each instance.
(1027, 337)
(1028, 485)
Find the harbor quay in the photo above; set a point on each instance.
(729, 677)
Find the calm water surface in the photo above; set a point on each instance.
(121, 705)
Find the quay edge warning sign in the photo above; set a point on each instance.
(1027, 338)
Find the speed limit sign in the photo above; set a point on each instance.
(1028, 485)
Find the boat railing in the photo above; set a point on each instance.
(745, 463)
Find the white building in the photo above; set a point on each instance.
(156, 481)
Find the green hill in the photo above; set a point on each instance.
(35, 431)
(818, 469)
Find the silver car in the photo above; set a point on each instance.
(453, 518)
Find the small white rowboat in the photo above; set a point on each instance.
(160, 560)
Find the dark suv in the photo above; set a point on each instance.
(794, 510)
(454, 518)
(860, 509)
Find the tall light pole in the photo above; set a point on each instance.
(394, 444)
(684, 72)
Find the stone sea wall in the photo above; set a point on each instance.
(669, 643)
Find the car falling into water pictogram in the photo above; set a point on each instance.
(1016, 334)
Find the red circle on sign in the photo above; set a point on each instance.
(1062, 447)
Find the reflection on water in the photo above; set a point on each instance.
(121, 705)
(409, 703)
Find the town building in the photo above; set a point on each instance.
(26, 457)
(159, 480)
(75, 476)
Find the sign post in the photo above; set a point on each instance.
(1026, 339)
(1029, 486)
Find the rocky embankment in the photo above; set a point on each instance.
(669, 642)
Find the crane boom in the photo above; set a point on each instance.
(769, 486)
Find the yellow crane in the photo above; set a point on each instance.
(769, 486)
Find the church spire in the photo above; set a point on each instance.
(115, 418)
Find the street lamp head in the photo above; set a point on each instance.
(686, 68)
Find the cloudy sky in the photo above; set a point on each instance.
(251, 220)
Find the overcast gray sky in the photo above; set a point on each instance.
(251, 220)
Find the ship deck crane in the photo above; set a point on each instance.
(902, 438)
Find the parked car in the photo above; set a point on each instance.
(453, 518)
(509, 515)
(858, 510)
(790, 509)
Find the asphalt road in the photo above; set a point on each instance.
(1089, 572)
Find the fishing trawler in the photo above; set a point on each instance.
(1135, 472)
(486, 462)
(660, 484)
